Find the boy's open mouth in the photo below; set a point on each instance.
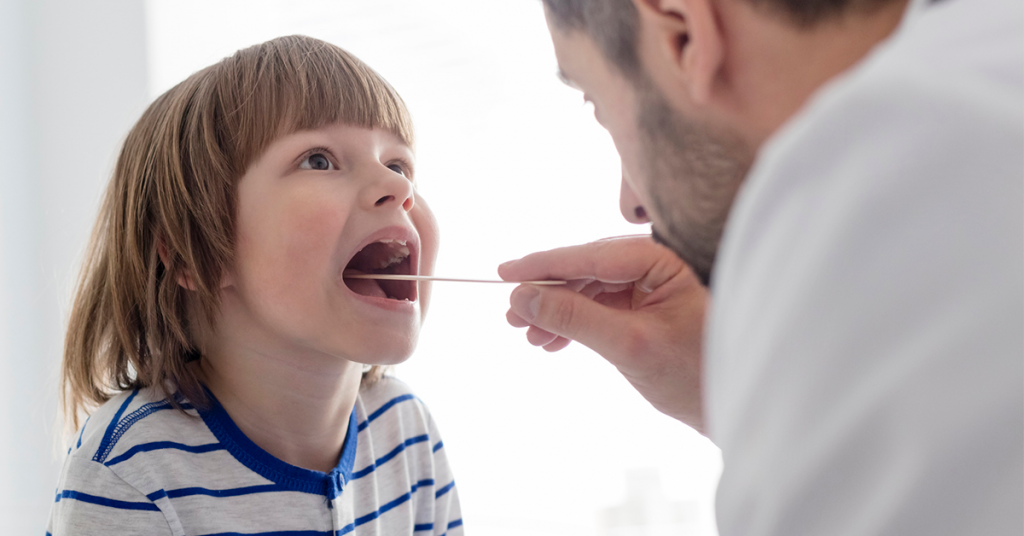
(387, 256)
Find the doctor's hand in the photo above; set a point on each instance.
(630, 300)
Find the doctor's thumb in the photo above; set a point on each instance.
(566, 313)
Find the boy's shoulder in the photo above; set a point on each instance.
(387, 396)
(131, 420)
(388, 389)
(118, 460)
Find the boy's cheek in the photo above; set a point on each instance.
(285, 258)
(426, 225)
(307, 233)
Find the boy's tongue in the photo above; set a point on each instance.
(366, 287)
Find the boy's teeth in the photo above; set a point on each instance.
(397, 256)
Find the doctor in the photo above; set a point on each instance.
(848, 175)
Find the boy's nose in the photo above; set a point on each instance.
(390, 189)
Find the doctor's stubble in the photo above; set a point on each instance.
(692, 176)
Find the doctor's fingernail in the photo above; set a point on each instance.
(526, 302)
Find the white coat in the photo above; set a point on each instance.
(865, 348)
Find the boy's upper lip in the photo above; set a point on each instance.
(391, 232)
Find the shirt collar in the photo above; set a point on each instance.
(286, 476)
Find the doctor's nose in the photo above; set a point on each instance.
(630, 205)
(390, 188)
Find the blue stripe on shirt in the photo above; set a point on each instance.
(444, 490)
(362, 520)
(424, 526)
(230, 492)
(82, 431)
(384, 459)
(452, 525)
(277, 533)
(162, 445)
(119, 426)
(103, 501)
(105, 442)
(438, 446)
(383, 409)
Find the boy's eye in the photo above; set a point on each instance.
(318, 162)
(397, 168)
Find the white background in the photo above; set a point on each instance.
(511, 162)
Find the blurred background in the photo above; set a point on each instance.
(511, 162)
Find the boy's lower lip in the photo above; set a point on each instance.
(401, 306)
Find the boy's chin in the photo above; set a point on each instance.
(386, 360)
(380, 347)
(391, 352)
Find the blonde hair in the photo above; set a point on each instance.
(172, 195)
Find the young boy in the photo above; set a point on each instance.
(238, 373)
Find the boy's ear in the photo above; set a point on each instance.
(184, 277)
(688, 40)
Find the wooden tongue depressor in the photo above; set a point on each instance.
(399, 277)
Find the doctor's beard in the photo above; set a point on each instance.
(691, 178)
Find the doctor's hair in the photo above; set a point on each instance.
(164, 235)
(612, 24)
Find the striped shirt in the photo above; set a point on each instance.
(138, 466)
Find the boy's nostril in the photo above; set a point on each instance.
(383, 200)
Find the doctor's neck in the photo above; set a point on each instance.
(773, 65)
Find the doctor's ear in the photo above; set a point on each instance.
(683, 34)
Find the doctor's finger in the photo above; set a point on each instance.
(570, 315)
(538, 337)
(604, 260)
(619, 260)
(616, 300)
(558, 344)
(515, 320)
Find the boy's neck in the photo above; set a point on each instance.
(296, 408)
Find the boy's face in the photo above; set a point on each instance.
(314, 206)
